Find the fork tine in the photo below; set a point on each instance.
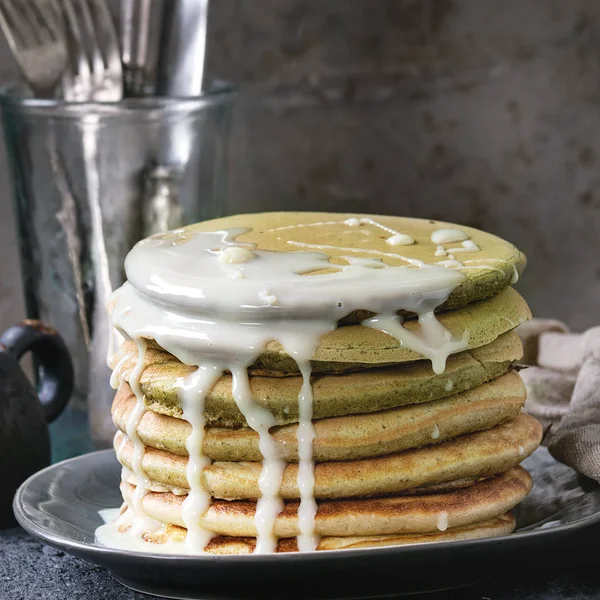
(56, 13)
(38, 27)
(89, 30)
(81, 76)
(109, 37)
(8, 29)
(31, 36)
(50, 14)
(18, 25)
(69, 89)
(38, 23)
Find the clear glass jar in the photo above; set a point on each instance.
(90, 180)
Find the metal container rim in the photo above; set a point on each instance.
(13, 99)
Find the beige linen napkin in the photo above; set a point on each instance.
(563, 387)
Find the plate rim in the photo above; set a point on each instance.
(88, 549)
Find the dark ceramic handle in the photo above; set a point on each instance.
(55, 369)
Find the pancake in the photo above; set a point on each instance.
(498, 526)
(348, 518)
(341, 438)
(430, 488)
(357, 346)
(496, 260)
(333, 395)
(480, 454)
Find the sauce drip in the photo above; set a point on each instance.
(442, 520)
(396, 237)
(193, 392)
(446, 236)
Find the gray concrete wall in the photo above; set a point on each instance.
(477, 111)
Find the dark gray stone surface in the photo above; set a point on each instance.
(30, 570)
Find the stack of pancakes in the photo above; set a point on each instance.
(402, 454)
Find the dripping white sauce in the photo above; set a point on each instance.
(470, 245)
(452, 251)
(435, 434)
(301, 348)
(305, 434)
(450, 263)
(268, 298)
(400, 239)
(181, 293)
(515, 276)
(110, 535)
(143, 521)
(396, 237)
(447, 236)
(302, 225)
(439, 237)
(270, 504)
(193, 392)
(442, 520)
(114, 376)
(235, 255)
(436, 343)
(411, 261)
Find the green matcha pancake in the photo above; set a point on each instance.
(356, 346)
(489, 263)
(333, 395)
(473, 455)
(343, 438)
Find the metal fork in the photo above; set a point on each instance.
(35, 33)
(96, 73)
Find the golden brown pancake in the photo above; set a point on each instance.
(494, 269)
(479, 454)
(498, 526)
(342, 438)
(333, 395)
(364, 517)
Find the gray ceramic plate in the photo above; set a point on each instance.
(60, 505)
